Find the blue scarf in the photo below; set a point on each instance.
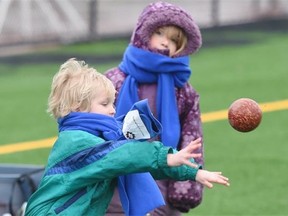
(138, 192)
(143, 66)
(99, 125)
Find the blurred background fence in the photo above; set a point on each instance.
(65, 21)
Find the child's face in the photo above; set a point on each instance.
(103, 104)
(160, 40)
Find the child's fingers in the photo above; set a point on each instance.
(189, 163)
(225, 180)
(195, 155)
(221, 176)
(217, 181)
(193, 147)
(208, 184)
(217, 173)
(222, 180)
(197, 141)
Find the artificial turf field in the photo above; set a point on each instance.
(233, 63)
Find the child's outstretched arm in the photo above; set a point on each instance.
(184, 156)
(204, 177)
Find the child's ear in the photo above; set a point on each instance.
(77, 108)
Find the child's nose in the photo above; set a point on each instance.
(165, 42)
(113, 111)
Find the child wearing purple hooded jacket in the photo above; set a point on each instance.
(156, 66)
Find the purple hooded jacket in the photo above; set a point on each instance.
(180, 195)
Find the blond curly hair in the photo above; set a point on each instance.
(74, 86)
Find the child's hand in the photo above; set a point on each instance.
(185, 155)
(206, 178)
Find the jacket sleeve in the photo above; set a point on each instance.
(129, 158)
(179, 173)
(112, 159)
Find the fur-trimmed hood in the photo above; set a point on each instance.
(159, 14)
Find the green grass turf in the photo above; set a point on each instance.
(257, 70)
(255, 162)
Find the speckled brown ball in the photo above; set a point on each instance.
(244, 115)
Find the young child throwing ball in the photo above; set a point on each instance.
(91, 153)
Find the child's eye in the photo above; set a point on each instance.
(158, 32)
(175, 40)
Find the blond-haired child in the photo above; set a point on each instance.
(91, 155)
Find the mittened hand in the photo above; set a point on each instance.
(139, 123)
